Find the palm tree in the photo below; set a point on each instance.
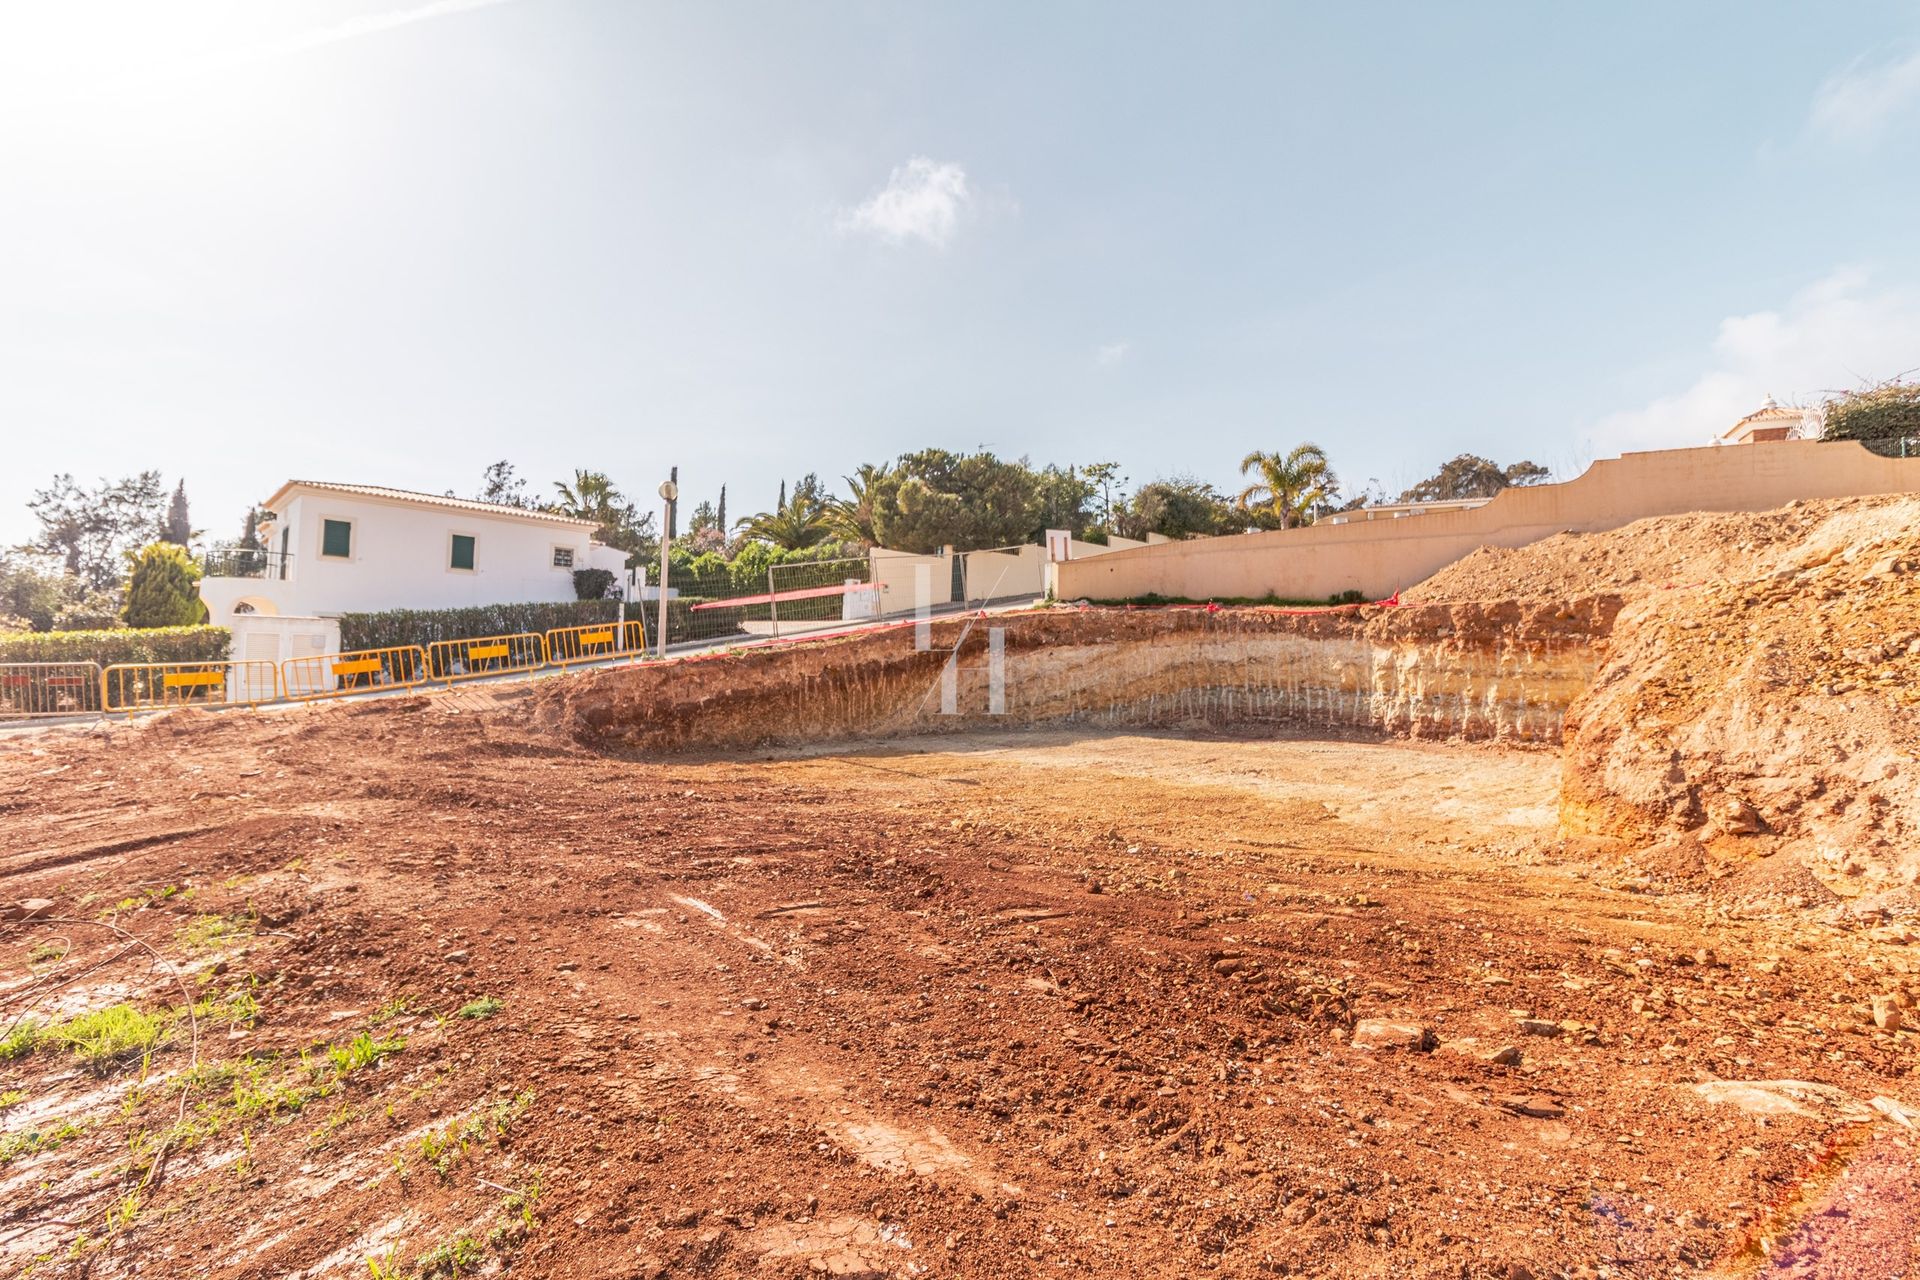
(591, 495)
(1289, 483)
(851, 518)
(802, 522)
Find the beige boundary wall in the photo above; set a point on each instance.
(1380, 557)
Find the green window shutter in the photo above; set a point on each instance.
(462, 551)
(336, 538)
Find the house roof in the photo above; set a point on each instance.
(1769, 412)
(410, 498)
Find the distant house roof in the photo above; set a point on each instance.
(1396, 510)
(1770, 414)
(411, 498)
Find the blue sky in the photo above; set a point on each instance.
(391, 241)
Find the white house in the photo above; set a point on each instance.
(349, 548)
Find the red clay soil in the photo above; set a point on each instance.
(1016, 1006)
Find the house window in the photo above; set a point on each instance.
(461, 556)
(563, 557)
(336, 539)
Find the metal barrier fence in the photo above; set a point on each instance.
(486, 656)
(595, 642)
(810, 595)
(334, 675)
(48, 689)
(155, 686)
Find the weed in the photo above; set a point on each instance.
(109, 1038)
(256, 1093)
(339, 1116)
(392, 1009)
(363, 1051)
(21, 1041)
(34, 1141)
(124, 1212)
(12, 1098)
(520, 1203)
(46, 953)
(455, 1256)
(210, 932)
(443, 1150)
(234, 1008)
(505, 1113)
(384, 1267)
(484, 1007)
(243, 1164)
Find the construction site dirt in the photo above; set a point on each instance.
(446, 985)
(1001, 1005)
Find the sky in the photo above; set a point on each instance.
(393, 241)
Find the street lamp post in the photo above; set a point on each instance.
(669, 494)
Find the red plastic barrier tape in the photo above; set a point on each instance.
(776, 597)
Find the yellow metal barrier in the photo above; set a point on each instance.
(331, 675)
(485, 656)
(595, 642)
(48, 689)
(156, 686)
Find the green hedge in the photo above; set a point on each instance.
(424, 626)
(149, 644)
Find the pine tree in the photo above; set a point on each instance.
(177, 528)
(250, 539)
(162, 589)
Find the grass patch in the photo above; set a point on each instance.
(443, 1150)
(257, 1093)
(211, 932)
(21, 1041)
(107, 1039)
(484, 1007)
(33, 1141)
(12, 1098)
(363, 1051)
(455, 1256)
(46, 953)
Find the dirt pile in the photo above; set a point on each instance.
(1781, 712)
(1654, 554)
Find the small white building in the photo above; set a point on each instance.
(330, 549)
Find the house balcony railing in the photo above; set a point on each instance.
(244, 562)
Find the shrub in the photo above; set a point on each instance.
(592, 584)
(152, 644)
(1886, 412)
(162, 588)
(424, 626)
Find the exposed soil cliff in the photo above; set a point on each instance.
(1501, 671)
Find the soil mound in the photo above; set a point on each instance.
(1780, 713)
(1658, 553)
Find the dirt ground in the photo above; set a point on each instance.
(473, 998)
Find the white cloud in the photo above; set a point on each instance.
(1858, 103)
(1836, 334)
(1112, 353)
(923, 200)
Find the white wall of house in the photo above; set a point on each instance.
(400, 554)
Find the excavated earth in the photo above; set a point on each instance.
(1419, 942)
